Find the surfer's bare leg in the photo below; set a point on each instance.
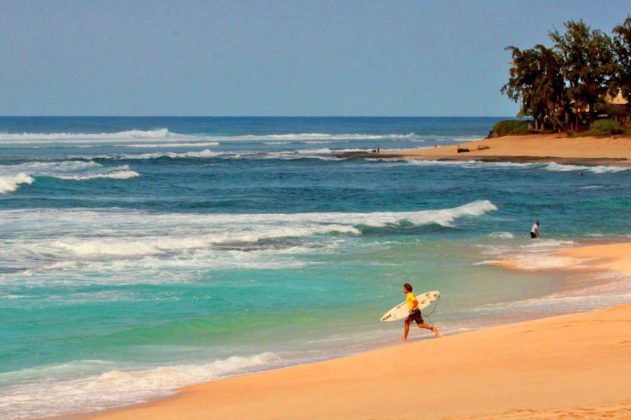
(433, 329)
(406, 331)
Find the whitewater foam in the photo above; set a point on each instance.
(41, 167)
(11, 176)
(600, 169)
(119, 136)
(534, 255)
(336, 220)
(164, 133)
(206, 153)
(48, 238)
(501, 235)
(182, 144)
(323, 154)
(167, 244)
(10, 183)
(119, 174)
(39, 396)
(554, 167)
(290, 137)
(471, 164)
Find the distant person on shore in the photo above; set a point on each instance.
(534, 231)
(415, 314)
(378, 149)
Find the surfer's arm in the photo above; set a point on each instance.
(414, 305)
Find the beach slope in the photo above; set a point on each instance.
(577, 366)
(528, 148)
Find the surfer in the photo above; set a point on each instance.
(414, 313)
(534, 231)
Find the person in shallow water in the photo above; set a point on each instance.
(534, 231)
(415, 314)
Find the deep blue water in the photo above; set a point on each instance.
(142, 254)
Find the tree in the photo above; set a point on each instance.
(536, 81)
(549, 87)
(622, 51)
(587, 65)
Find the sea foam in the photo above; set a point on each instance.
(231, 239)
(11, 176)
(10, 183)
(117, 174)
(81, 137)
(600, 169)
(37, 396)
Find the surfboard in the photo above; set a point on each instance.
(401, 310)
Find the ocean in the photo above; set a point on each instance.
(142, 254)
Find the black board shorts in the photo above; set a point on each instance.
(533, 235)
(415, 316)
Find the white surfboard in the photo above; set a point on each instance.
(401, 310)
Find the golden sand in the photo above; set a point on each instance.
(573, 366)
(529, 148)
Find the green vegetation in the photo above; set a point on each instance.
(510, 128)
(603, 128)
(566, 86)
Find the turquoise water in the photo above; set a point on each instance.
(143, 254)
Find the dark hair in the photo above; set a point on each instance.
(408, 287)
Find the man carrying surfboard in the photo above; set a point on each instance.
(414, 314)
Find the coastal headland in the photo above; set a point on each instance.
(571, 366)
(543, 148)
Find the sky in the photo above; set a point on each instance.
(269, 58)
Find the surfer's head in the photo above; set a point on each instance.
(407, 287)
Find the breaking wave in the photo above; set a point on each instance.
(119, 174)
(11, 176)
(206, 153)
(37, 396)
(173, 138)
(324, 154)
(81, 137)
(134, 234)
(555, 167)
(600, 169)
(183, 144)
(10, 183)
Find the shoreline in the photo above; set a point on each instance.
(539, 148)
(370, 384)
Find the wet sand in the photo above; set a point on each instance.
(571, 366)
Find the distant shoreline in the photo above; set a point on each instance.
(543, 148)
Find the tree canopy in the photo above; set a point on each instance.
(565, 86)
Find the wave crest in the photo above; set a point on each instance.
(11, 176)
(600, 169)
(185, 234)
(69, 137)
(11, 183)
(119, 174)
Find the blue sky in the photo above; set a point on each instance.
(319, 57)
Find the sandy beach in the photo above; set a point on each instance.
(572, 366)
(529, 148)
